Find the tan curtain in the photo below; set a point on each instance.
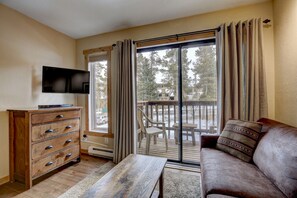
(241, 77)
(123, 99)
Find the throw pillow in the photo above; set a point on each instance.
(240, 138)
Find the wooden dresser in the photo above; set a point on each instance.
(42, 140)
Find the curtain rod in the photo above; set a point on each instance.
(177, 35)
(266, 21)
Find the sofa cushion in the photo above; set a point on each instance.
(240, 138)
(224, 174)
(276, 156)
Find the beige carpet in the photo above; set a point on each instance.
(179, 184)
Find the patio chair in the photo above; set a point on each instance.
(150, 131)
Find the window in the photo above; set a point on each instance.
(98, 105)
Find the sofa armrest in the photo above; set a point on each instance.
(208, 141)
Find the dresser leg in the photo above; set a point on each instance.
(28, 183)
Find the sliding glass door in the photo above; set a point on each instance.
(199, 96)
(157, 97)
(172, 80)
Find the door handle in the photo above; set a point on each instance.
(68, 155)
(60, 116)
(49, 131)
(49, 163)
(68, 127)
(48, 147)
(68, 141)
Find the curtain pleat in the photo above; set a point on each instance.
(123, 99)
(241, 76)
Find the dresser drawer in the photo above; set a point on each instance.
(57, 159)
(55, 116)
(41, 132)
(50, 146)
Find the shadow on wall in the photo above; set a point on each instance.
(4, 144)
(36, 81)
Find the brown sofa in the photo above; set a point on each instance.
(273, 172)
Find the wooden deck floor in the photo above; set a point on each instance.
(190, 153)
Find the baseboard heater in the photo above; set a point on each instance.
(100, 152)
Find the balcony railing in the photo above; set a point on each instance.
(202, 113)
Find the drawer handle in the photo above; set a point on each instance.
(48, 147)
(68, 155)
(68, 141)
(49, 163)
(49, 131)
(68, 127)
(60, 116)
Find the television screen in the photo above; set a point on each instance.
(61, 80)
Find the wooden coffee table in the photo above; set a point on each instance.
(135, 176)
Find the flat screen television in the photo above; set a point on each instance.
(62, 80)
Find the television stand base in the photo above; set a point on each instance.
(54, 106)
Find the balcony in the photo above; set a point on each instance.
(203, 114)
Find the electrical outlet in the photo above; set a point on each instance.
(85, 138)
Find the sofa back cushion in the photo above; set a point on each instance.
(276, 155)
(239, 138)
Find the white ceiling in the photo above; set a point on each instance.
(82, 18)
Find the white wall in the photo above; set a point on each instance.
(25, 46)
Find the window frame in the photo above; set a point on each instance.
(90, 101)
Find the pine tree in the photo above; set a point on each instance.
(205, 73)
(101, 85)
(170, 72)
(186, 82)
(147, 88)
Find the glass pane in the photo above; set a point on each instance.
(100, 96)
(157, 89)
(199, 88)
